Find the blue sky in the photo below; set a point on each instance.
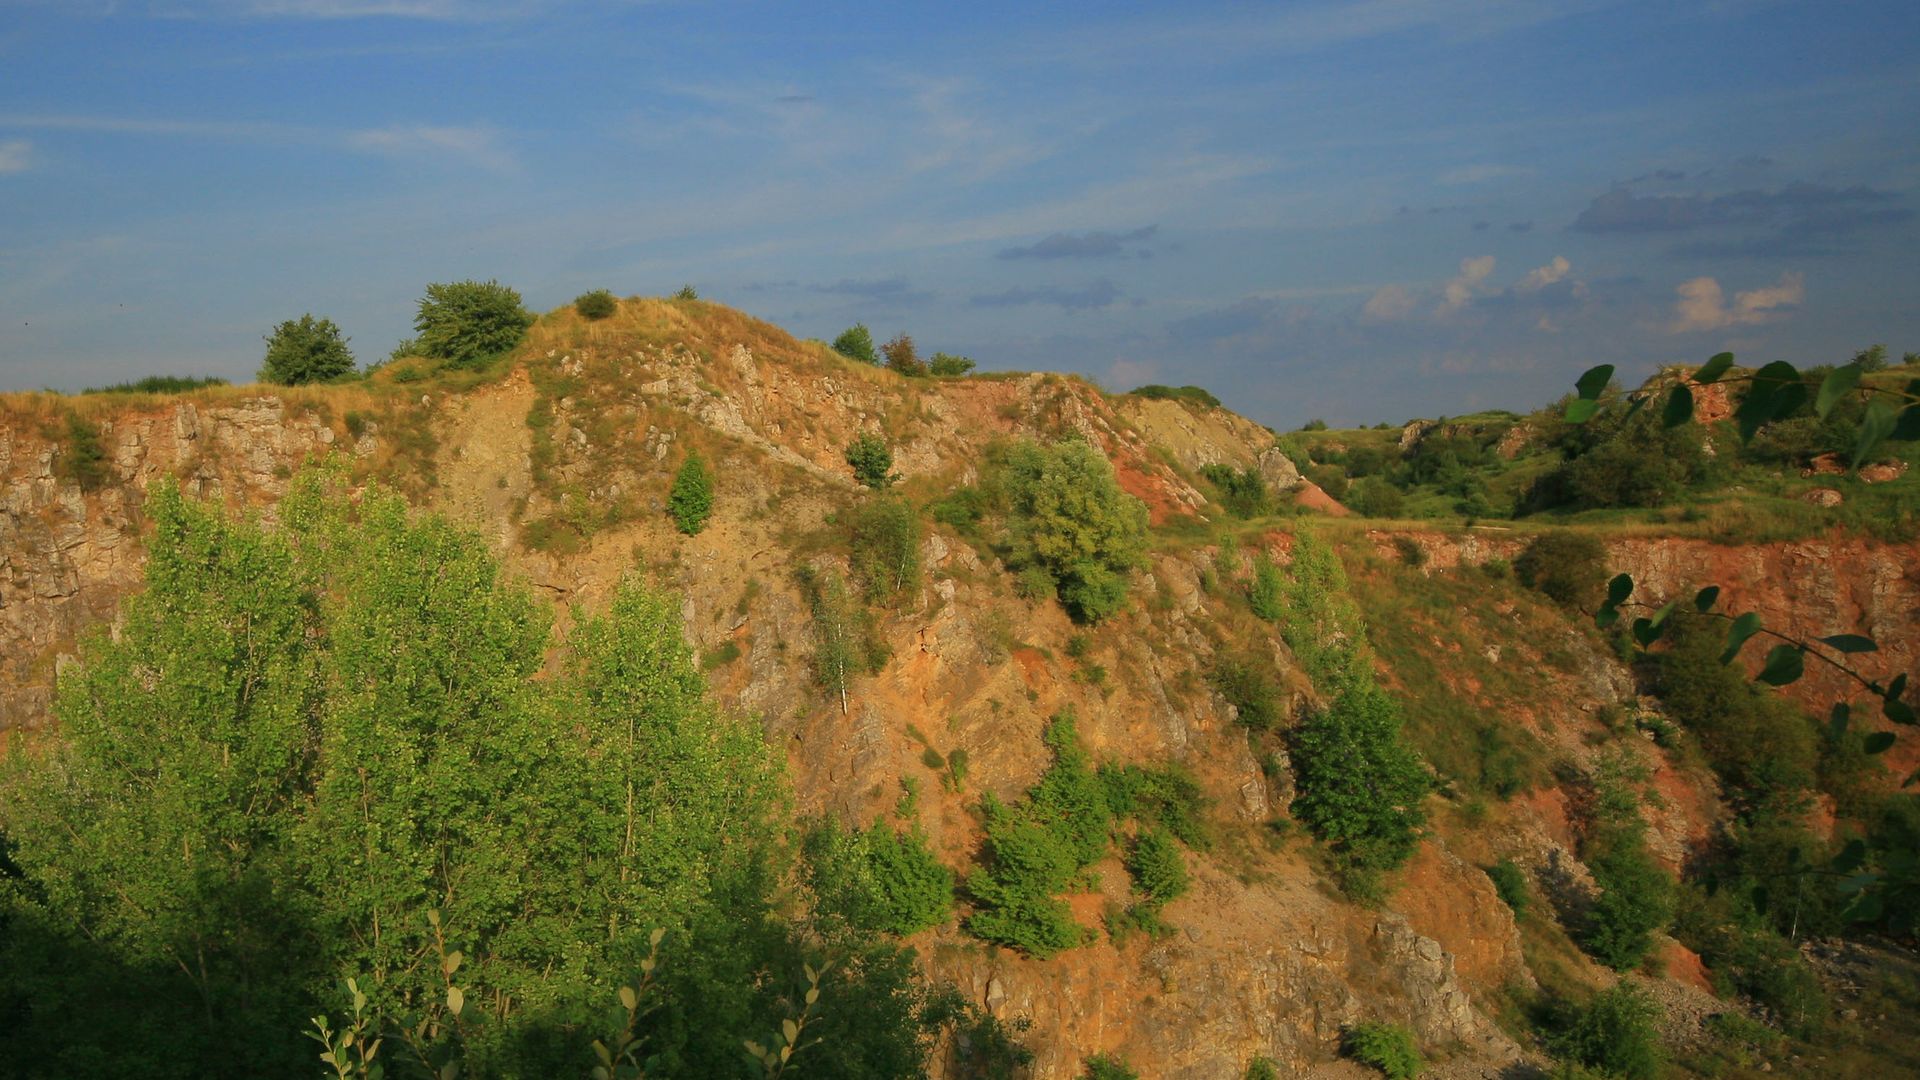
(1359, 210)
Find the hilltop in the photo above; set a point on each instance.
(1526, 718)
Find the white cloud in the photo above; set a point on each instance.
(478, 145)
(16, 156)
(1389, 303)
(1459, 290)
(1702, 304)
(1543, 276)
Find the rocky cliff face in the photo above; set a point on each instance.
(564, 464)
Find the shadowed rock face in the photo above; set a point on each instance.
(1265, 959)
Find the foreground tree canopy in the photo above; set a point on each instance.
(328, 749)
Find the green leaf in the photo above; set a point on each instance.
(1912, 779)
(1606, 617)
(456, 1000)
(1838, 383)
(628, 999)
(1896, 688)
(1619, 589)
(1743, 628)
(1851, 858)
(1714, 368)
(1875, 426)
(1594, 381)
(1898, 711)
(1878, 742)
(1775, 391)
(1645, 632)
(1866, 907)
(1838, 719)
(791, 1030)
(1704, 600)
(1908, 426)
(452, 963)
(1850, 643)
(1581, 410)
(1785, 663)
(1679, 408)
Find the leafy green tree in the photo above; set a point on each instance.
(687, 292)
(469, 322)
(856, 343)
(306, 350)
(1374, 496)
(1158, 869)
(1242, 491)
(878, 878)
(690, 501)
(946, 365)
(1071, 518)
(596, 305)
(903, 357)
(1615, 1034)
(319, 749)
(871, 460)
(1360, 783)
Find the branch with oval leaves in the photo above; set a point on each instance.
(1773, 392)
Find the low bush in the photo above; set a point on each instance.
(1250, 690)
(871, 461)
(1569, 567)
(1511, 883)
(1242, 491)
(159, 384)
(1104, 1067)
(883, 538)
(879, 878)
(596, 305)
(946, 366)
(690, 502)
(1387, 1047)
(1615, 1034)
(83, 459)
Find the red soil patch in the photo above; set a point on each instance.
(1148, 489)
(1312, 497)
(1683, 965)
(1033, 666)
(1454, 904)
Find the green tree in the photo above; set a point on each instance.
(945, 365)
(1360, 783)
(469, 322)
(306, 350)
(878, 878)
(871, 460)
(318, 749)
(856, 343)
(690, 501)
(1071, 518)
(1615, 1034)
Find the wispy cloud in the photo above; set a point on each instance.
(16, 156)
(435, 10)
(1702, 304)
(893, 290)
(480, 146)
(1088, 245)
(1389, 303)
(1480, 174)
(1798, 219)
(474, 145)
(1091, 297)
